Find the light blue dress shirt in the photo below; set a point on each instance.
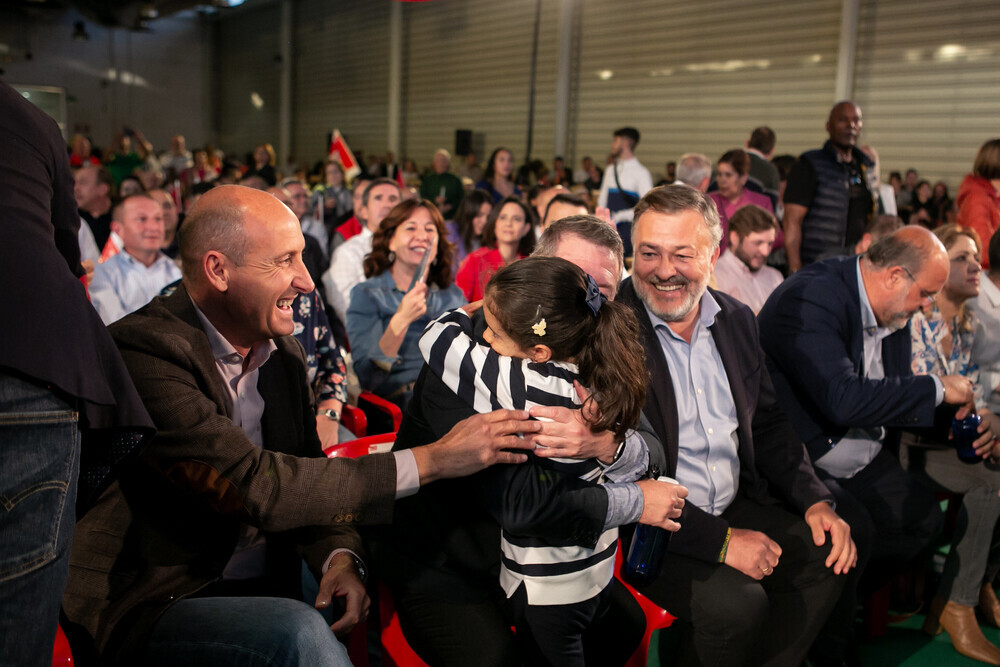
(707, 458)
(124, 284)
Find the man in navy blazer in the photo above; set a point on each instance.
(746, 575)
(838, 350)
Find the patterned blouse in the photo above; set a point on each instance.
(324, 362)
(927, 330)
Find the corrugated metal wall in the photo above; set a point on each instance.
(698, 77)
(341, 75)
(248, 65)
(690, 76)
(927, 78)
(467, 65)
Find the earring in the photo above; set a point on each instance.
(391, 257)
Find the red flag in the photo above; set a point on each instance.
(340, 151)
(111, 248)
(399, 178)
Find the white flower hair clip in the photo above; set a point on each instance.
(539, 327)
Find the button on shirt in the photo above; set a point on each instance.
(123, 284)
(707, 460)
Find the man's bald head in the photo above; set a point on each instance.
(912, 246)
(844, 124)
(902, 273)
(221, 220)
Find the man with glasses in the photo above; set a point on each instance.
(838, 350)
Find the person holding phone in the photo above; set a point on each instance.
(409, 284)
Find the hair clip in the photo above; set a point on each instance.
(539, 327)
(595, 299)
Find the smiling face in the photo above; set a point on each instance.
(415, 237)
(139, 222)
(261, 290)
(963, 276)
(674, 258)
(753, 249)
(511, 224)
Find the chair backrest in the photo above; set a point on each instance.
(352, 449)
(656, 617)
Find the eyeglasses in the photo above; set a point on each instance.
(924, 294)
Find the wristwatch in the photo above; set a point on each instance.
(330, 414)
(362, 570)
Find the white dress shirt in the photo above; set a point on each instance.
(346, 270)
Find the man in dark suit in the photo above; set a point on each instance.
(172, 564)
(61, 382)
(838, 349)
(749, 579)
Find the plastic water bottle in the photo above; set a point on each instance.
(966, 432)
(645, 556)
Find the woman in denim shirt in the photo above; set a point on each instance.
(386, 317)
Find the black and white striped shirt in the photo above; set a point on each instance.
(489, 381)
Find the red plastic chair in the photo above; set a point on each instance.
(62, 656)
(354, 420)
(379, 409)
(395, 649)
(657, 618)
(371, 412)
(352, 449)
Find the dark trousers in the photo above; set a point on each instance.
(729, 618)
(446, 632)
(554, 635)
(892, 519)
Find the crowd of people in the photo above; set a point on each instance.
(789, 340)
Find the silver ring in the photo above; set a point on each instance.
(767, 570)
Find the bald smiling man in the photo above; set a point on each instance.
(192, 556)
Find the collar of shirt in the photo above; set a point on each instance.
(869, 323)
(126, 256)
(708, 309)
(988, 290)
(224, 352)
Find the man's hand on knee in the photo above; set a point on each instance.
(752, 553)
(343, 583)
(822, 520)
(476, 443)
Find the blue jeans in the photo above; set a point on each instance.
(244, 632)
(39, 464)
